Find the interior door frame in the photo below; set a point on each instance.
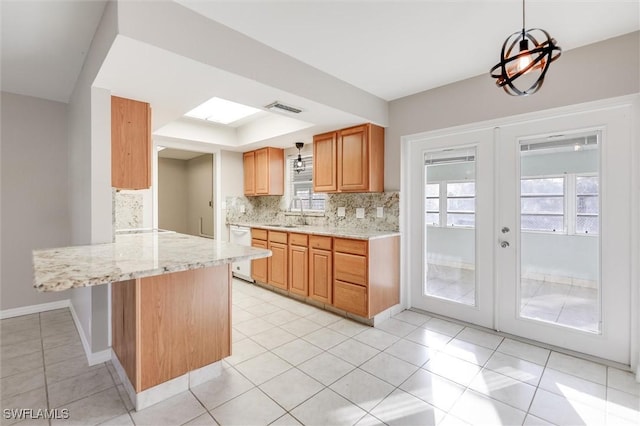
(204, 148)
(408, 230)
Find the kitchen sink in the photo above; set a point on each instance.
(281, 226)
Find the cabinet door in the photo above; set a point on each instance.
(353, 159)
(259, 266)
(325, 170)
(299, 270)
(130, 144)
(262, 171)
(277, 265)
(320, 275)
(249, 167)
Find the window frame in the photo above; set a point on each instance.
(290, 186)
(443, 209)
(570, 215)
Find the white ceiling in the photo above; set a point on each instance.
(396, 48)
(44, 45)
(387, 48)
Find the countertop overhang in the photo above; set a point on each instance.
(357, 234)
(133, 256)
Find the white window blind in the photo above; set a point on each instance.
(301, 186)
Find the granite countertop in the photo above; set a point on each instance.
(133, 255)
(358, 234)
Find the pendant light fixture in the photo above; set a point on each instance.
(298, 164)
(535, 52)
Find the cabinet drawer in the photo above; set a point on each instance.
(277, 237)
(352, 298)
(298, 239)
(350, 267)
(318, 242)
(259, 234)
(351, 246)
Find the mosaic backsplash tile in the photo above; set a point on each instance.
(274, 209)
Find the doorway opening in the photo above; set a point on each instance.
(186, 192)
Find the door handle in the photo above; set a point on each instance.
(504, 244)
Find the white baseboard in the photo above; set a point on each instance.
(34, 309)
(93, 358)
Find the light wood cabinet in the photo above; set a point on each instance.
(130, 144)
(357, 276)
(320, 269)
(298, 264)
(249, 169)
(349, 160)
(277, 263)
(167, 325)
(259, 268)
(325, 168)
(366, 275)
(264, 172)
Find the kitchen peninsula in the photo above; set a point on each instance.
(171, 304)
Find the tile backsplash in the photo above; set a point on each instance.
(274, 209)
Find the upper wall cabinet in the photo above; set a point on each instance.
(325, 170)
(264, 172)
(349, 160)
(130, 144)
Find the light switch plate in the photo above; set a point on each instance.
(380, 211)
(242, 209)
(359, 213)
(223, 205)
(342, 212)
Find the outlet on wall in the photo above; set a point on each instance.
(342, 212)
(242, 209)
(380, 212)
(359, 213)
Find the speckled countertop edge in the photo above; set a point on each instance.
(324, 231)
(132, 256)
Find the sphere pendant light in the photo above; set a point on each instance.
(298, 164)
(528, 64)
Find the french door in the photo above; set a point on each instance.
(524, 228)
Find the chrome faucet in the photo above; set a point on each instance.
(293, 199)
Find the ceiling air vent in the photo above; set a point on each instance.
(283, 107)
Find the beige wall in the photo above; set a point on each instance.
(200, 193)
(35, 212)
(185, 188)
(602, 70)
(172, 196)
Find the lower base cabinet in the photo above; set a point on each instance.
(361, 277)
(349, 297)
(321, 275)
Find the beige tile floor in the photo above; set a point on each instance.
(294, 364)
(563, 304)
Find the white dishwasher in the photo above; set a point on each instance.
(241, 235)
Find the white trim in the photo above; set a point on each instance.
(34, 309)
(93, 358)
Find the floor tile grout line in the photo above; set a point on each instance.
(535, 392)
(44, 368)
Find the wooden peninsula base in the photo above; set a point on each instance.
(169, 331)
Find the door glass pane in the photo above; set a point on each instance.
(559, 224)
(450, 205)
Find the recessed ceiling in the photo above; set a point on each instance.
(396, 48)
(179, 154)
